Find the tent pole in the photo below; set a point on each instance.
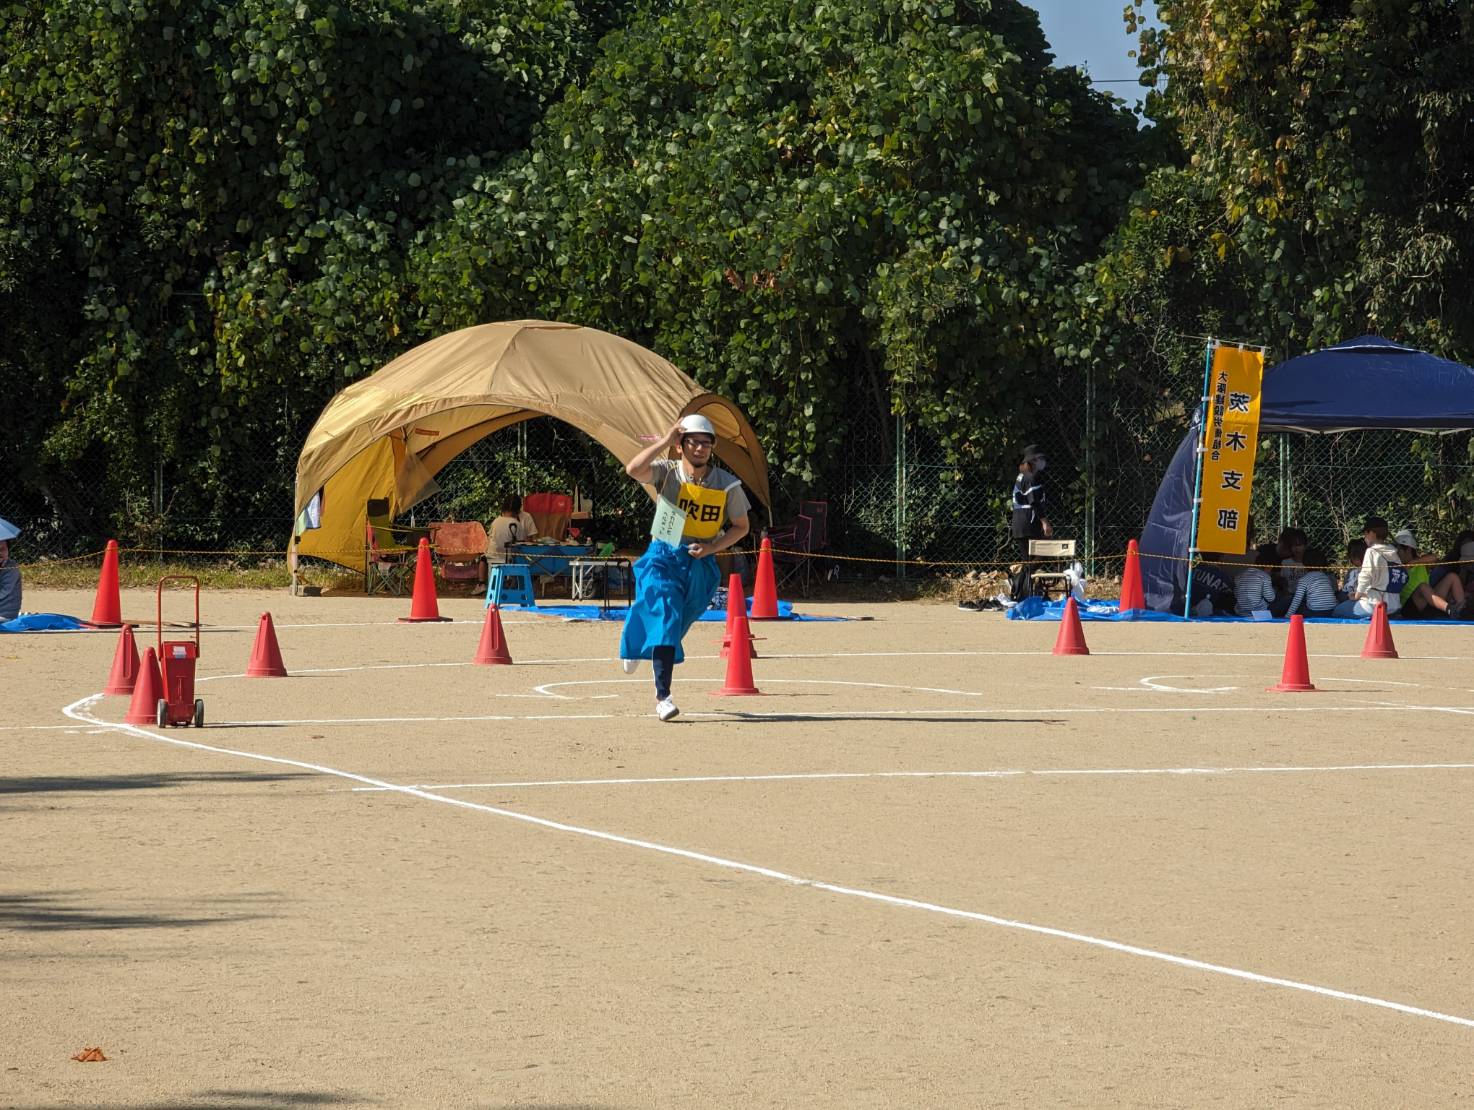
(1192, 540)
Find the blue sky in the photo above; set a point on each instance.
(1091, 34)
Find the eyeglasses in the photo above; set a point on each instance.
(692, 441)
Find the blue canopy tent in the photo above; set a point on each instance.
(1364, 383)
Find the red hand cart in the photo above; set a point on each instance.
(177, 659)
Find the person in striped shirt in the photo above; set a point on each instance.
(1253, 589)
(1315, 593)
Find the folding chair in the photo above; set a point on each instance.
(461, 548)
(386, 560)
(792, 554)
(551, 512)
(1046, 580)
(818, 514)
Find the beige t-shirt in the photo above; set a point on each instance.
(504, 530)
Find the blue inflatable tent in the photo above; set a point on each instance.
(1363, 383)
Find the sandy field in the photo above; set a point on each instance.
(933, 866)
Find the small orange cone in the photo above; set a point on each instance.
(493, 648)
(1071, 638)
(1379, 643)
(107, 609)
(764, 587)
(423, 606)
(736, 603)
(1132, 597)
(1295, 678)
(147, 691)
(266, 660)
(125, 664)
(91, 1055)
(739, 666)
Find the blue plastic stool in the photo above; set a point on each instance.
(513, 580)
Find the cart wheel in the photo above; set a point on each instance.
(161, 713)
(199, 713)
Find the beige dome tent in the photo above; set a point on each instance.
(388, 435)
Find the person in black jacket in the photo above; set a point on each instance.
(1030, 522)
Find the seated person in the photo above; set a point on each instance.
(1315, 593)
(1253, 590)
(1211, 589)
(1421, 598)
(1356, 551)
(1381, 577)
(1290, 554)
(10, 586)
(512, 525)
(1457, 560)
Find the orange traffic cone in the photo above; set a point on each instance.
(1379, 643)
(764, 587)
(147, 691)
(736, 603)
(1132, 597)
(1071, 638)
(125, 664)
(739, 666)
(1295, 678)
(423, 606)
(107, 609)
(493, 648)
(266, 661)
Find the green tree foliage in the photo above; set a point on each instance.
(205, 206)
(812, 208)
(1335, 139)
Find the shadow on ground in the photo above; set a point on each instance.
(73, 910)
(257, 1099)
(69, 784)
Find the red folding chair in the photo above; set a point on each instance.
(551, 512)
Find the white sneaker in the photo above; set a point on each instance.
(666, 709)
(630, 665)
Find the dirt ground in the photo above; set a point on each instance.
(934, 865)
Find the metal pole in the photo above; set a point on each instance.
(1287, 510)
(901, 481)
(1090, 469)
(1192, 541)
(159, 506)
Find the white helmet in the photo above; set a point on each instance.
(696, 424)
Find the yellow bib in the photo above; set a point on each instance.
(704, 509)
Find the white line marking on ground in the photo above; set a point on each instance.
(548, 687)
(1093, 651)
(78, 711)
(799, 714)
(994, 774)
(424, 665)
(1429, 708)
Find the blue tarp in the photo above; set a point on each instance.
(617, 612)
(1367, 382)
(1037, 609)
(42, 622)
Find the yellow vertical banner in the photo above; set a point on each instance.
(1230, 440)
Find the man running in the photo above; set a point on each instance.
(676, 577)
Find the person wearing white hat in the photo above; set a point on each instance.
(10, 588)
(1421, 598)
(700, 509)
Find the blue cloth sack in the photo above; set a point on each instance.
(672, 590)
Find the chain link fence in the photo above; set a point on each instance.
(899, 504)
